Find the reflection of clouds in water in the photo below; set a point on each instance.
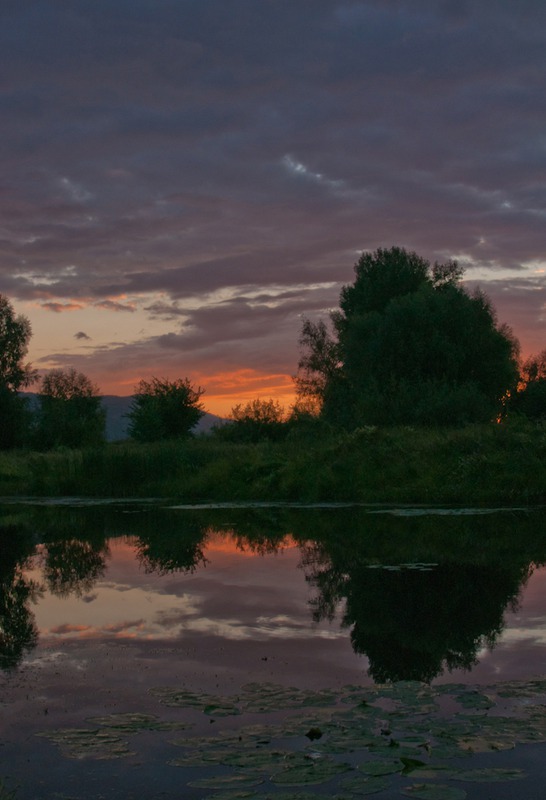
(61, 630)
(282, 627)
(45, 660)
(173, 617)
(530, 633)
(174, 623)
(232, 601)
(129, 613)
(118, 587)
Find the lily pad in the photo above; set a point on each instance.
(364, 786)
(235, 796)
(486, 744)
(180, 698)
(250, 795)
(475, 700)
(195, 759)
(262, 760)
(219, 709)
(300, 769)
(209, 704)
(429, 791)
(132, 722)
(377, 768)
(411, 764)
(85, 743)
(221, 781)
(489, 775)
(265, 697)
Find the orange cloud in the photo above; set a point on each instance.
(218, 544)
(62, 630)
(60, 307)
(112, 305)
(223, 390)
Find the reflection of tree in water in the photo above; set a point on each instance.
(18, 632)
(73, 566)
(413, 623)
(70, 565)
(167, 543)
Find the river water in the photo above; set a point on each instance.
(156, 650)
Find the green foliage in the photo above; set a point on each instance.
(15, 334)
(15, 419)
(319, 365)
(258, 420)
(70, 413)
(164, 409)
(315, 463)
(410, 345)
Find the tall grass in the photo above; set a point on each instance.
(475, 464)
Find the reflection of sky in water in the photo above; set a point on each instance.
(243, 597)
(236, 596)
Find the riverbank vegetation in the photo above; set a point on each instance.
(412, 392)
(499, 464)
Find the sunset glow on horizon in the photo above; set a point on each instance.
(183, 183)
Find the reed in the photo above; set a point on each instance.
(476, 464)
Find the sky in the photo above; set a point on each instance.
(182, 181)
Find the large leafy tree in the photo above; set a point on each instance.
(409, 345)
(163, 409)
(15, 333)
(70, 411)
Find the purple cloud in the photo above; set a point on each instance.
(195, 150)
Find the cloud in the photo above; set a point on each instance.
(74, 191)
(58, 308)
(112, 305)
(183, 151)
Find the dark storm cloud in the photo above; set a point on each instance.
(184, 148)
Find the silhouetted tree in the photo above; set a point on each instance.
(531, 399)
(255, 421)
(163, 409)
(15, 333)
(409, 345)
(70, 411)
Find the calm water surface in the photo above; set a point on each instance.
(112, 609)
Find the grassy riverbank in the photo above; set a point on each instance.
(478, 464)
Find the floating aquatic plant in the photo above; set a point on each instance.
(369, 737)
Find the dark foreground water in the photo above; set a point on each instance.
(264, 652)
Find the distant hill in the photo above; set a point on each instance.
(117, 409)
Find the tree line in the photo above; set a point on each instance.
(408, 345)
